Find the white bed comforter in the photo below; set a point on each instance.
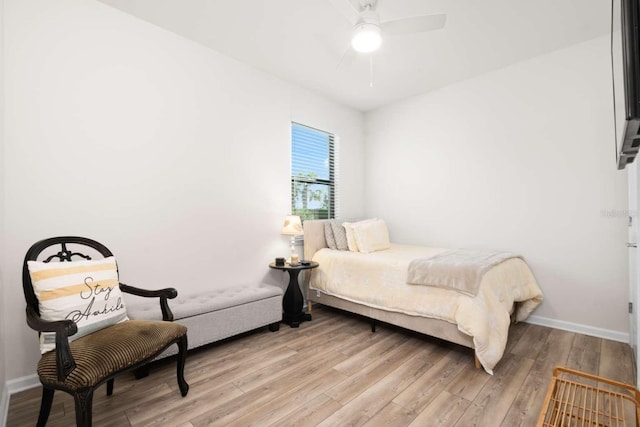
(379, 280)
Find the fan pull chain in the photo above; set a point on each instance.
(371, 70)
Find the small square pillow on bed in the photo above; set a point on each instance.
(86, 292)
(340, 235)
(351, 239)
(371, 235)
(349, 227)
(328, 235)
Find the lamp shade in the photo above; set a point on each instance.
(292, 226)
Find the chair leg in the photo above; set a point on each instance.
(141, 372)
(45, 406)
(182, 355)
(110, 387)
(84, 405)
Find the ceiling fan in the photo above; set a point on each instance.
(368, 29)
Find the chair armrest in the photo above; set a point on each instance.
(163, 294)
(65, 364)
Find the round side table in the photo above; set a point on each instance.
(292, 301)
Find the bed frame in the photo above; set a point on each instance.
(314, 240)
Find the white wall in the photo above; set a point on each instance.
(521, 159)
(174, 156)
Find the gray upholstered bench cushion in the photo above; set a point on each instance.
(184, 306)
(216, 314)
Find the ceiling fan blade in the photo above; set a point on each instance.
(347, 58)
(415, 24)
(347, 9)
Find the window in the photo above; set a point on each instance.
(313, 189)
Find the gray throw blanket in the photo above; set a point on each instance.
(461, 270)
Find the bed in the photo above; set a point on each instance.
(375, 285)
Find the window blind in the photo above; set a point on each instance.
(313, 183)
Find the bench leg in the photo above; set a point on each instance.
(274, 327)
(141, 372)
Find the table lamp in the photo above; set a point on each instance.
(292, 227)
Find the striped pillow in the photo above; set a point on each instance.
(339, 235)
(86, 292)
(328, 236)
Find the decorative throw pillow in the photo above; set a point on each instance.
(351, 239)
(340, 235)
(371, 235)
(328, 235)
(86, 292)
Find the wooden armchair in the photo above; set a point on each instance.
(78, 366)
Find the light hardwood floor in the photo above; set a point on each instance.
(334, 372)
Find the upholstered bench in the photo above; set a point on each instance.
(217, 314)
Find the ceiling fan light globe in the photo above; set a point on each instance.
(366, 38)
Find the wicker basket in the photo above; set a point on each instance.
(576, 398)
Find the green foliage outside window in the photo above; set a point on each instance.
(311, 199)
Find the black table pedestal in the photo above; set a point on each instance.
(293, 301)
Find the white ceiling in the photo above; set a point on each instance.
(304, 41)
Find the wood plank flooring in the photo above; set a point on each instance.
(334, 372)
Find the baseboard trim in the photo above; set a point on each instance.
(23, 383)
(15, 386)
(580, 329)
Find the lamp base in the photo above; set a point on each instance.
(294, 259)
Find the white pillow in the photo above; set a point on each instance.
(86, 292)
(351, 239)
(352, 242)
(371, 235)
